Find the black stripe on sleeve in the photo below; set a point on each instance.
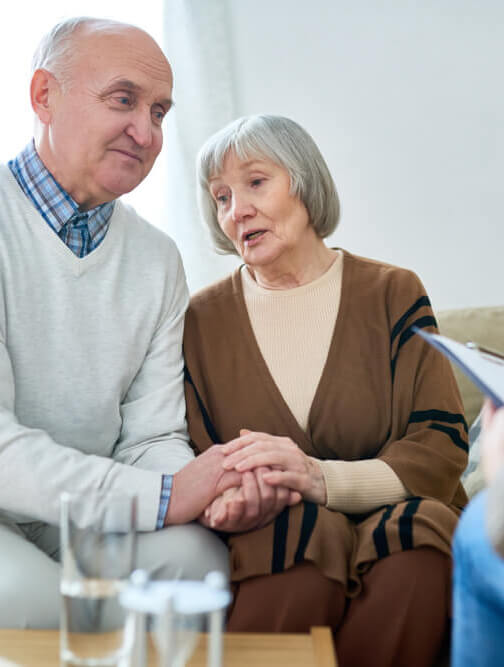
(421, 323)
(406, 523)
(397, 328)
(212, 433)
(453, 434)
(380, 534)
(439, 416)
(310, 514)
(280, 541)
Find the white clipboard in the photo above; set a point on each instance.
(485, 368)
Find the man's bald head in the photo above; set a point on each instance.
(57, 50)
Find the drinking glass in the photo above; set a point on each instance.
(98, 545)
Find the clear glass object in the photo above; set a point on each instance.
(172, 613)
(98, 545)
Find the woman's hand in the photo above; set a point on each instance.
(291, 467)
(492, 454)
(252, 505)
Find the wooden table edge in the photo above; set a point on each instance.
(322, 644)
(323, 647)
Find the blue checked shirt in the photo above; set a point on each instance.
(81, 231)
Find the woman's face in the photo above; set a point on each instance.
(255, 210)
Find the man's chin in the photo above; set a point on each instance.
(120, 187)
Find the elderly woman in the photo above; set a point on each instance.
(303, 366)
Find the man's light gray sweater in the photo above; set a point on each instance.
(91, 369)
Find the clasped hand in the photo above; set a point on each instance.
(275, 473)
(251, 505)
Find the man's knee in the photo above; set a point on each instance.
(29, 583)
(29, 599)
(22, 608)
(188, 552)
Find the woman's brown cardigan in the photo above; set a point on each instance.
(384, 393)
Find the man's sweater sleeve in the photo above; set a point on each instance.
(154, 430)
(34, 469)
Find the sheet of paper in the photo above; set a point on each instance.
(485, 371)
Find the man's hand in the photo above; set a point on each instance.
(197, 484)
(492, 453)
(250, 506)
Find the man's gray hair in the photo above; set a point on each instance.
(56, 49)
(287, 144)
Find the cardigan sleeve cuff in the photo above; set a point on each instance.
(360, 486)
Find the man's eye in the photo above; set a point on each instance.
(158, 115)
(123, 100)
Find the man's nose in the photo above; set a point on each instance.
(242, 208)
(140, 128)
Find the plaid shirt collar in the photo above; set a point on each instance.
(56, 206)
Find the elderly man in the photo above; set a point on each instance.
(92, 302)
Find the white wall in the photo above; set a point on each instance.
(405, 99)
(406, 102)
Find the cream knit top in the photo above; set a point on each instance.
(302, 320)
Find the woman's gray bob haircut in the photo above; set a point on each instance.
(287, 144)
(55, 50)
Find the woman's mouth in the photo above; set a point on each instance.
(250, 238)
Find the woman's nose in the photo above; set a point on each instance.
(242, 208)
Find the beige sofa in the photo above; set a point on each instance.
(484, 325)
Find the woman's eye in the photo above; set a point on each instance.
(222, 199)
(256, 182)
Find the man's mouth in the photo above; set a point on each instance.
(128, 154)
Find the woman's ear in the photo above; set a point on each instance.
(42, 88)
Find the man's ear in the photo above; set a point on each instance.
(42, 90)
